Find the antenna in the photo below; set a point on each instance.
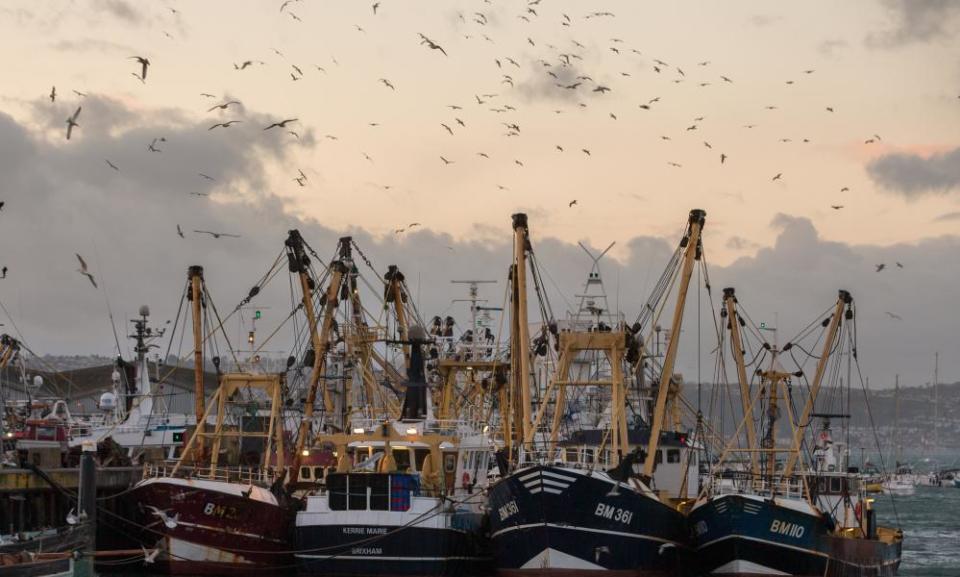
(476, 306)
(593, 300)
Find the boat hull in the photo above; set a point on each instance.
(211, 527)
(550, 520)
(384, 550)
(741, 536)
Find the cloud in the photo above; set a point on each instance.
(740, 243)
(763, 20)
(948, 217)
(93, 45)
(832, 47)
(539, 85)
(122, 10)
(62, 198)
(916, 21)
(912, 175)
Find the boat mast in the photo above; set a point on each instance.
(936, 399)
(195, 276)
(520, 333)
(844, 299)
(299, 263)
(736, 348)
(691, 242)
(896, 420)
(396, 295)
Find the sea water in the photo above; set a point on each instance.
(930, 519)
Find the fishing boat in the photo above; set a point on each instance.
(599, 500)
(48, 553)
(133, 413)
(779, 515)
(406, 497)
(220, 509)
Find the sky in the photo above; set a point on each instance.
(854, 105)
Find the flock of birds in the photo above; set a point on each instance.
(560, 67)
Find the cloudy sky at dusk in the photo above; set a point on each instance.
(853, 104)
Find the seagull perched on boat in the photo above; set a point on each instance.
(144, 62)
(83, 270)
(72, 121)
(168, 521)
(72, 518)
(217, 234)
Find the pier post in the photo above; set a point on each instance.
(87, 506)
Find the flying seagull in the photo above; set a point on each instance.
(224, 124)
(836, 206)
(223, 106)
(893, 315)
(431, 44)
(168, 521)
(206, 176)
(571, 203)
(53, 94)
(445, 161)
(777, 177)
(387, 83)
(72, 121)
(281, 124)
(83, 270)
(144, 62)
(217, 234)
(881, 266)
(111, 165)
(180, 231)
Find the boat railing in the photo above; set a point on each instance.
(243, 475)
(585, 457)
(452, 427)
(736, 482)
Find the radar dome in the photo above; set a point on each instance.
(108, 401)
(144, 311)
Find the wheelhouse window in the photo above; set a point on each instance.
(673, 455)
(371, 492)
